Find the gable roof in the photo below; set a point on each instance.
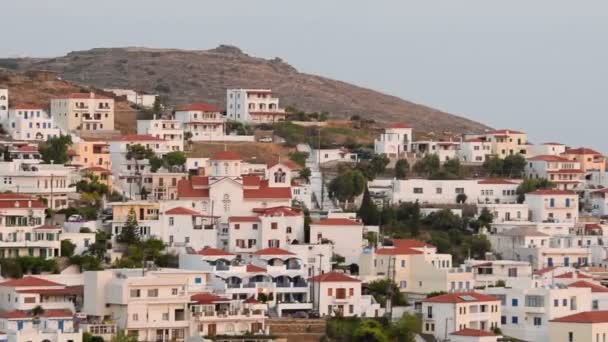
(290, 164)
(277, 211)
(472, 332)
(198, 106)
(251, 268)
(15, 315)
(243, 219)
(569, 275)
(549, 158)
(29, 281)
(461, 297)
(208, 298)
(584, 317)
(551, 192)
(337, 222)
(582, 150)
(400, 125)
(56, 313)
(411, 243)
(226, 155)
(273, 251)
(267, 192)
(186, 190)
(210, 251)
(181, 211)
(333, 277)
(397, 251)
(594, 287)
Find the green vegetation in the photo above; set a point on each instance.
(510, 167)
(238, 127)
(67, 248)
(379, 289)
(531, 185)
(55, 150)
(19, 266)
(299, 157)
(299, 115)
(129, 234)
(347, 185)
(402, 169)
(373, 167)
(343, 329)
(368, 211)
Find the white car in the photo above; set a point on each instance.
(265, 140)
(75, 218)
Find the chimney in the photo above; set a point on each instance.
(29, 204)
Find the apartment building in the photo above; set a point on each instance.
(83, 112)
(51, 325)
(489, 273)
(599, 202)
(548, 205)
(482, 191)
(589, 159)
(564, 173)
(599, 293)
(169, 130)
(22, 229)
(334, 155)
(416, 266)
(253, 106)
(337, 294)
(27, 122)
(51, 182)
(146, 213)
(546, 149)
(445, 314)
(526, 312)
(181, 226)
(203, 121)
(136, 97)
(24, 152)
(506, 212)
(26, 293)
(90, 153)
(444, 150)
(148, 304)
(580, 327)
(504, 142)
(395, 142)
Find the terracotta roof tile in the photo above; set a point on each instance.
(594, 287)
(273, 251)
(199, 106)
(15, 315)
(333, 277)
(400, 125)
(584, 317)
(243, 219)
(549, 158)
(226, 155)
(267, 192)
(209, 251)
(208, 298)
(185, 190)
(397, 251)
(255, 269)
(570, 275)
(182, 211)
(472, 332)
(29, 281)
(337, 222)
(551, 192)
(57, 313)
(461, 297)
(277, 211)
(411, 243)
(581, 150)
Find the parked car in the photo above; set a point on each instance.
(265, 139)
(75, 218)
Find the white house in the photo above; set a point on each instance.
(504, 142)
(599, 202)
(546, 149)
(339, 294)
(52, 325)
(253, 106)
(444, 150)
(26, 122)
(448, 313)
(138, 98)
(346, 235)
(474, 151)
(203, 121)
(333, 155)
(580, 327)
(168, 130)
(26, 293)
(395, 141)
(83, 111)
(547, 205)
(565, 173)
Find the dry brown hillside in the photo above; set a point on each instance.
(37, 88)
(183, 76)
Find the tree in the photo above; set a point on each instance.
(453, 168)
(368, 211)
(379, 163)
(347, 185)
(485, 217)
(428, 165)
(402, 168)
(406, 328)
(174, 158)
(379, 290)
(299, 157)
(461, 198)
(67, 248)
(305, 174)
(494, 166)
(157, 108)
(531, 185)
(122, 337)
(514, 165)
(130, 231)
(369, 331)
(37, 311)
(444, 220)
(55, 149)
(480, 246)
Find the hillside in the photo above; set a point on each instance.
(38, 88)
(183, 76)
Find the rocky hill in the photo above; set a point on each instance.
(183, 76)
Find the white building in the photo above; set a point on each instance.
(26, 293)
(444, 150)
(27, 122)
(565, 173)
(474, 151)
(580, 327)
(339, 294)
(526, 312)
(205, 122)
(599, 202)
(253, 106)
(52, 325)
(346, 235)
(447, 191)
(488, 273)
(168, 130)
(138, 98)
(3, 104)
(504, 142)
(548, 205)
(444, 314)
(334, 155)
(83, 112)
(546, 149)
(395, 142)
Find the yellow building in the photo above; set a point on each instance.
(588, 326)
(91, 153)
(83, 112)
(589, 159)
(105, 175)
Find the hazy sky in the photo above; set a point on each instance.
(538, 66)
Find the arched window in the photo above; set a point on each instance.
(279, 176)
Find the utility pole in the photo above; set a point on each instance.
(320, 255)
(389, 299)
(52, 201)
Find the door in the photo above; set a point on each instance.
(60, 324)
(566, 261)
(550, 262)
(211, 329)
(141, 213)
(19, 325)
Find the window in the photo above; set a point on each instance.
(535, 301)
(153, 293)
(237, 226)
(174, 291)
(274, 225)
(171, 221)
(439, 191)
(288, 230)
(418, 190)
(403, 284)
(254, 226)
(513, 272)
(595, 305)
(459, 190)
(570, 336)
(351, 309)
(556, 302)
(514, 302)
(351, 292)
(514, 320)
(537, 321)
(564, 302)
(503, 320)
(135, 317)
(198, 280)
(402, 263)
(135, 293)
(329, 292)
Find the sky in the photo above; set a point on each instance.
(538, 66)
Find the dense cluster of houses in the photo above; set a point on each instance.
(248, 249)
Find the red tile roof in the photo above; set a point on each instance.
(457, 297)
(226, 155)
(199, 106)
(27, 148)
(273, 251)
(83, 96)
(411, 243)
(21, 204)
(545, 270)
(581, 150)
(570, 275)
(13, 195)
(267, 192)
(27, 106)
(474, 140)
(277, 211)
(254, 269)
(29, 281)
(15, 315)
(137, 137)
(472, 332)
(604, 191)
(57, 313)
(549, 158)
(495, 181)
(251, 300)
(70, 290)
(181, 211)
(200, 181)
(551, 192)
(243, 219)
(251, 181)
(185, 190)
(566, 171)
(337, 222)
(209, 251)
(400, 125)
(333, 277)
(269, 113)
(592, 286)
(208, 298)
(397, 251)
(584, 317)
